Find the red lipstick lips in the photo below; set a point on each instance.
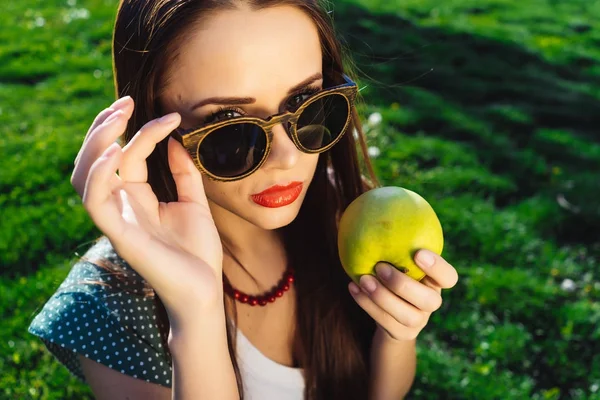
(278, 196)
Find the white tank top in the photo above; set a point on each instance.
(265, 379)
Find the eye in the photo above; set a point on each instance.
(223, 114)
(297, 99)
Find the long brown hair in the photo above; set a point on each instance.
(333, 335)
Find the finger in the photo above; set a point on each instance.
(99, 120)
(416, 293)
(133, 167)
(124, 104)
(427, 281)
(383, 319)
(439, 271)
(387, 303)
(99, 193)
(187, 177)
(143, 199)
(102, 137)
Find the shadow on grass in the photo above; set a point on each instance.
(530, 120)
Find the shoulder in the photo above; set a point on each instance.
(106, 312)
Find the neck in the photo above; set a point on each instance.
(254, 259)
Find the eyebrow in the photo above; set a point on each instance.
(250, 100)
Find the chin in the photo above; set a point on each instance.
(274, 218)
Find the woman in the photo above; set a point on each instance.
(218, 276)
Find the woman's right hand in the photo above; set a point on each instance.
(174, 246)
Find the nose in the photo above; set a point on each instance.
(284, 153)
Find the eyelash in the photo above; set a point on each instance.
(306, 91)
(211, 118)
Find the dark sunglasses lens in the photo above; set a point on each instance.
(323, 121)
(233, 150)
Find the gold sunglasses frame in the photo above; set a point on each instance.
(191, 139)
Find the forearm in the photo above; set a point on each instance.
(393, 367)
(202, 368)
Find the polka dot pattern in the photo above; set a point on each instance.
(112, 322)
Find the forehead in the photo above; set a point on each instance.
(260, 53)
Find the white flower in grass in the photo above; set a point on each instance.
(375, 119)
(373, 151)
(567, 285)
(355, 133)
(39, 22)
(75, 14)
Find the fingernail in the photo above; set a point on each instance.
(384, 271)
(354, 289)
(112, 149)
(425, 258)
(169, 118)
(368, 283)
(114, 117)
(121, 103)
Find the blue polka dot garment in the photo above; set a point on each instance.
(105, 317)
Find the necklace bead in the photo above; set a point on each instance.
(268, 297)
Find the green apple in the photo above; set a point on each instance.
(387, 224)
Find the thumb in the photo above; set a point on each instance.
(186, 175)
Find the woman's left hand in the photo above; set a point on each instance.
(400, 305)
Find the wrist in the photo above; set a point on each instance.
(202, 366)
(197, 321)
(383, 337)
(205, 301)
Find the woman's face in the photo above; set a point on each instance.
(258, 55)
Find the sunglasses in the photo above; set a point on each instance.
(235, 148)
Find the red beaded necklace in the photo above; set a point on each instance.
(268, 297)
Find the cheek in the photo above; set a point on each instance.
(218, 192)
(310, 162)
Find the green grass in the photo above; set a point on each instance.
(489, 109)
